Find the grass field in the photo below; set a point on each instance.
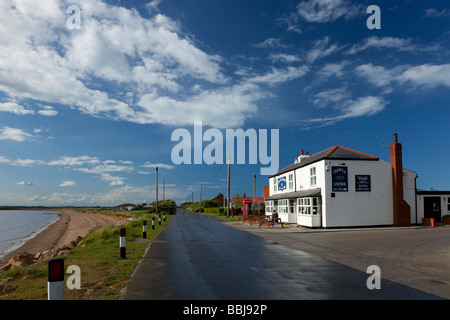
(103, 272)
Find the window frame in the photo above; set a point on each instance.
(313, 176)
(306, 206)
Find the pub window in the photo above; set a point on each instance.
(448, 204)
(304, 205)
(269, 206)
(315, 205)
(291, 181)
(282, 206)
(274, 184)
(309, 206)
(312, 172)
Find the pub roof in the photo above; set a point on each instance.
(333, 153)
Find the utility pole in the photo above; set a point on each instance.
(156, 190)
(228, 188)
(164, 189)
(200, 194)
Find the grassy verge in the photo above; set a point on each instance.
(103, 272)
(220, 216)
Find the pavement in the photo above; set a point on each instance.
(416, 256)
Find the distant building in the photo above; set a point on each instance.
(125, 206)
(221, 199)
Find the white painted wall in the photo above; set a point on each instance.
(353, 208)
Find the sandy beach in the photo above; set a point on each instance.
(68, 227)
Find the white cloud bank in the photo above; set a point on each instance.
(150, 58)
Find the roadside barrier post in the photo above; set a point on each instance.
(144, 229)
(153, 223)
(164, 217)
(123, 253)
(159, 219)
(55, 282)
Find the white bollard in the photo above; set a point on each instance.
(55, 284)
(144, 229)
(123, 253)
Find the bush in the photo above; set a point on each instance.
(212, 210)
(165, 206)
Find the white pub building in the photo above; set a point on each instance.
(340, 187)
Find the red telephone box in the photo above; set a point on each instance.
(247, 206)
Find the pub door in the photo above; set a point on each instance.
(432, 208)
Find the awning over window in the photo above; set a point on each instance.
(298, 194)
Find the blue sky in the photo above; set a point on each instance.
(86, 114)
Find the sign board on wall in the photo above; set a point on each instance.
(362, 182)
(282, 183)
(339, 178)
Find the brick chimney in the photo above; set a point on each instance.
(402, 210)
(266, 193)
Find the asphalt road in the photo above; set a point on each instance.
(414, 256)
(198, 258)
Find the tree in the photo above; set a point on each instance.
(164, 206)
(210, 203)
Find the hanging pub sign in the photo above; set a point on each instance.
(339, 178)
(282, 183)
(362, 182)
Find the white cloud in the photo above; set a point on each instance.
(14, 108)
(106, 168)
(26, 183)
(331, 97)
(426, 75)
(24, 162)
(277, 76)
(150, 57)
(67, 183)
(322, 49)
(4, 160)
(346, 108)
(14, 134)
(159, 165)
(387, 42)
(286, 58)
(362, 107)
(233, 103)
(114, 181)
(432, 12)
(74, 161)
(323, 11)
(153, 5)
(271, 43)
(333, 69)
(48, 111)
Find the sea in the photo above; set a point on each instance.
(19, 226)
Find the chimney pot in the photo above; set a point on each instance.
(395, 137)
(301, 152)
